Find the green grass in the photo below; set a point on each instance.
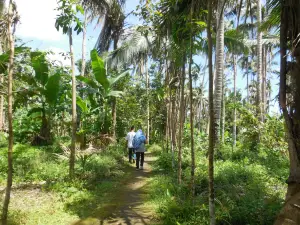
(43, 194)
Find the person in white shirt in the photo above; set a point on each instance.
(129, 139)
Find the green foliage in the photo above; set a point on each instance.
(52, 88)
(34, 164)
(68, 16)
(40, 66)
(26, 124)
(164, 162)
(42, 184)
(99, 70)
(250, 187)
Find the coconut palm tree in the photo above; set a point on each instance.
(219, 71)
(259, 60)
(212, 129)
(111, 12)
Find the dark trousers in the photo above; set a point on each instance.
(139, 155)
(130, 154)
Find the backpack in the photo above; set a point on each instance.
(137, 141)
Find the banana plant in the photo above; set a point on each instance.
(47, 89)
(101, 86)
(46, 85)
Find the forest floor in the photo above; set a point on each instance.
(129, 203)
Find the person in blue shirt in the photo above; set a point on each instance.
(139, 142)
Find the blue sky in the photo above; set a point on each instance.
(38, 31)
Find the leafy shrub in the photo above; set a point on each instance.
(246, 193)
(155, 149)
(33, 164)
(164, 162)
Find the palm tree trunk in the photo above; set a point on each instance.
(173, 129)
(173, 121)
(201, 103)
(114, 101)
(234, 101)
(223, 110)
(191, 106)
(219, 74)
(74, 116)
(259, 61)
(83, 46)
(170, 117)
(167, 107)
(148, 100)
(211, 197)
(263, 83)
(247, 74)
(200, 114)
(208, 121)
(10, 115)
(181, 120)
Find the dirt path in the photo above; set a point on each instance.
(128, 205)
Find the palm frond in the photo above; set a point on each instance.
(135, 46)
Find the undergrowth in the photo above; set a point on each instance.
(250, 189)
(42, 192)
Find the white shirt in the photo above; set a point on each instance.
(129, 138)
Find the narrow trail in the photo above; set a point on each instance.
(128, 206)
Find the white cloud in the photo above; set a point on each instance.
(38, 19)
(58, 56)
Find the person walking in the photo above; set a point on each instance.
(139, 142)
(129, 140)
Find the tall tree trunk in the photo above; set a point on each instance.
(166, 83)
(82, 73)
(263, 83)
(219, 74)
(181, 120)
(201, 104)
(148, 100)
(223, 110)
(212, 130)
(173, 127)
(170, 112)
(259, 61)
(247, 74)
(114, 100)
(1, 106)
(234, 101)
(10, 114)
(290, 213)
(167, 103)
(74, 115)
(191, 105)
(2, 5)
(200, 113)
